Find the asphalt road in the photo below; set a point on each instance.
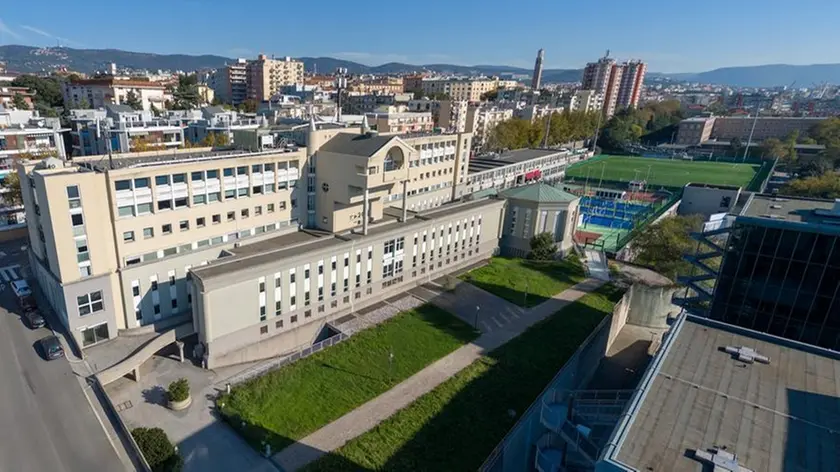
(47, 422)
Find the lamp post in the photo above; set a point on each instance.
(475, 323)
(525, 302)
(391, 365)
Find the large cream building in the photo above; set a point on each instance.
(469, 89)
(265, 76)
(150, 239)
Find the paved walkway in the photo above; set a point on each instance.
(506, 322)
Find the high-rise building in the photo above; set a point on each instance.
(230, 83)
(538, 66)
(266, 76)
(631, 84)
(619, 84)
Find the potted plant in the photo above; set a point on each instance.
(179, 394)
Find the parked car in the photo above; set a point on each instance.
(51, 348)
(21, 288)
(34, 319)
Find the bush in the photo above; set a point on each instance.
(157, 449)
(543, 247)
(179, 390)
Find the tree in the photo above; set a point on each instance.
(12, 196)
(816, 167)
(19, 102)
(185, 96)
(248, 106)
(661, 246)
(736, 148)
(822, 186)
(83, 104)
(157, 449)
(132, 100)
(47, 89)
(774, 148)
(140, 144)
(543, 247)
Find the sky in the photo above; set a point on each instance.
(671, 36)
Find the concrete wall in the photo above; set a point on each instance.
(706, 201)
(651, 306)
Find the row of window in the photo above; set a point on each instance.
(199, 176)
(201, 222)
(204, 243)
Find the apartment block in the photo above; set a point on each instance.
(481, 119)
(113, 91)
(620, 84)
(469, 89)
(401, 121)
(694, 131)
(119, 128)
(697, 130)
(25, 132)
(584, 100)
(267, 75)
(230, 83)
(8, 93)
(385, 85)
(496, 172)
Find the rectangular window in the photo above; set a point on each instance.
(122, 211)
(128, 237)
(197, 176)
(257, 210)
(243, 170)
(244, 213)
(166, 229)
(141, 183)
(270, 208)
(230, 193)
(243, 192)
(228, 172)
(216, 219)
(199, 222)
(231, 215)
(214, 197)
(213, 174)
(262, 313)
(199, 199)
(293, 319)
(164, 204)
(181, 202)
(161, 180)
(122, 185)
(278, 324)
(144, 208)
(90, 303)
(184, 225)
(179, 178)
(174, 303)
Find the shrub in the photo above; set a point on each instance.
(543, 247)
(157, 449)
(179, 390)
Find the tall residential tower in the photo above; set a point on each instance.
(619, 84)
(538, 67)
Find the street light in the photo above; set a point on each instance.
(525, 303)
(475, 323)
(391, 365)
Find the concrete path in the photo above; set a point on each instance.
(367, 416)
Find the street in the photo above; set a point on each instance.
(48, 422)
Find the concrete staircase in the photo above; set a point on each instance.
(596, 264)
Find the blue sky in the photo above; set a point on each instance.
(672, 36)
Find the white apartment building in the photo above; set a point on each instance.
(113, 91)
(123, 129)
(481, 119)
(585, 100)
(25, 132)
(230, 83)
(469, 89)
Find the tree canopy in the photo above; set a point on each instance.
(661, 246)
(564, 127)
(19, 102)
(543, 247)
(47, 89)
(826, 185)
(132, 100)
(185, 95)
(634, 124)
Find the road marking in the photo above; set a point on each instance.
(10, 273)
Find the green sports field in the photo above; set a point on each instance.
(660, 172)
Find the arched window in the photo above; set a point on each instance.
(394, 159)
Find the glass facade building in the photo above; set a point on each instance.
(782, 277)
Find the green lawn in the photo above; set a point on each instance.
(663, 172)
(511, 278)
(293, 401)
(457, 425)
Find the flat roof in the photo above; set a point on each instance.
(99, 163)
(778, 416)
(491, 161)
(792, 209)
(299, 242)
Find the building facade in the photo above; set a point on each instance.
(619, 84)
(469, 89)
(266, 76)
(25, 133)
(230, 83)
(697, 130)
(584, 100)
(482, 119)
(98, 93)
(119, 128)
(632, 81)
(535, 209)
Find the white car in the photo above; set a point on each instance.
(21, 288)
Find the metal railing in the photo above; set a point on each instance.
(274, 364)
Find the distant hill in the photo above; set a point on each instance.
(28, 59)
(769, 75)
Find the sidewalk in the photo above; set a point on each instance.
(497, 332)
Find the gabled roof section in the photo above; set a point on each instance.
(540, 193)
(365, 145)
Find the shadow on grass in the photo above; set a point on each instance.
(458, 424)
(505, 278)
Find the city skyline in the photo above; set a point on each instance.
(450, 39)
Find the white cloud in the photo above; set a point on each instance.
(46, 34)
(5, 30)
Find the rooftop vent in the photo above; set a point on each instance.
(746, 354)
(776, 207)
(720, 460)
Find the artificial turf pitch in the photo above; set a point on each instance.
(660, 172)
